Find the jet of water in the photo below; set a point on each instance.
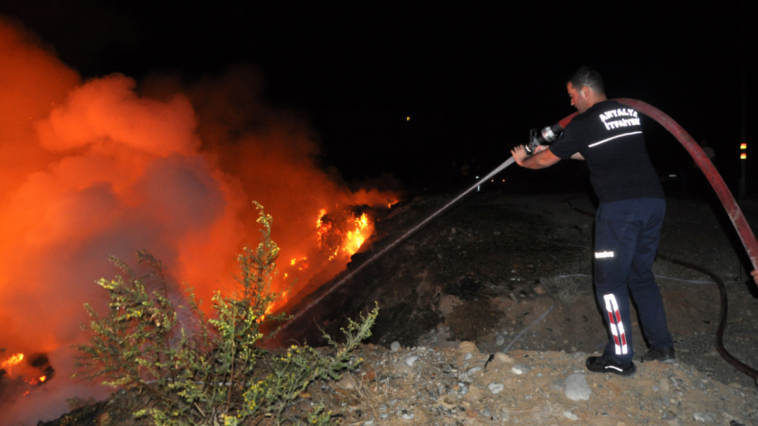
(395, 243)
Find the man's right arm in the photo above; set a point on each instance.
(540, 160)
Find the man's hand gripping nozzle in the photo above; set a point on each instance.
(543, 137)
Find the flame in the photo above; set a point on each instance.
(321, 214)
(42, 378)
(321, 228)
(93, 166)
(14, 360)
(356, 237)
(301, 263)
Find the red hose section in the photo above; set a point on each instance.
(702, 160)
(563, 123)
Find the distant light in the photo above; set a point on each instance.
(743, 146)
(743, 156)
(408, 118)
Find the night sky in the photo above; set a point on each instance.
(473, 79)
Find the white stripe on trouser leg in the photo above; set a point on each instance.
(617, 326)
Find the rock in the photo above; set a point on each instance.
(464, 388)
(468, 356)
(466, 347)
(104, 419)
(503, 358)
(702, 417)
(395, 346)
(448, 303)
(579, 355)
(499, 340)
(520, 369)
(505, 414)
(539, 290)
(411, 360)
(406, 415)
(474, 393)
(495, 387)
(558, 385)
(447, 401)
(486, 412)
(346, 382)
(571, 416)
(473, 370)
(577, 388)
(663, 385)
(367, 376)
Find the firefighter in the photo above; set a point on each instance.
(608, 135)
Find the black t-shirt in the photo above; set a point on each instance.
(609, 136)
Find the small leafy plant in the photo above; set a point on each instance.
(207, 370)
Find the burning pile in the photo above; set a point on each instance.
(339, 235)
(108, 167)
(20, 374)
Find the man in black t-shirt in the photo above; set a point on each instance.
(608, 135)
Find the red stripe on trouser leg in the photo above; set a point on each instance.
(617, 326)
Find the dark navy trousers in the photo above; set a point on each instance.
(627, 233)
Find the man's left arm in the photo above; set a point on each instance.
(539, 160)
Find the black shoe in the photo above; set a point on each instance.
(665, 355)
(604, 364)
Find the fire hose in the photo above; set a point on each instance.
(549, 134)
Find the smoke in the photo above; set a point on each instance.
(104, 167)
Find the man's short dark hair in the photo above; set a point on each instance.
(587, 77)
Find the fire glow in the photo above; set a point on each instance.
(19, 374)
(109, 166)
(12, 361)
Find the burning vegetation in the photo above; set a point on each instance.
(209, 370)
(20, 374)
(107, 166)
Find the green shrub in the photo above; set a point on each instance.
(205, 371)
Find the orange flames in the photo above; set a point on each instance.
(10, 362)
(356, 237)
(339, 235)
(26, 373)
(109, 165)
(36, 381)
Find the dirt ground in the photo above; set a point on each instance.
(487, 270)
(511, 274)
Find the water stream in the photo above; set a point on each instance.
(396, 242)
